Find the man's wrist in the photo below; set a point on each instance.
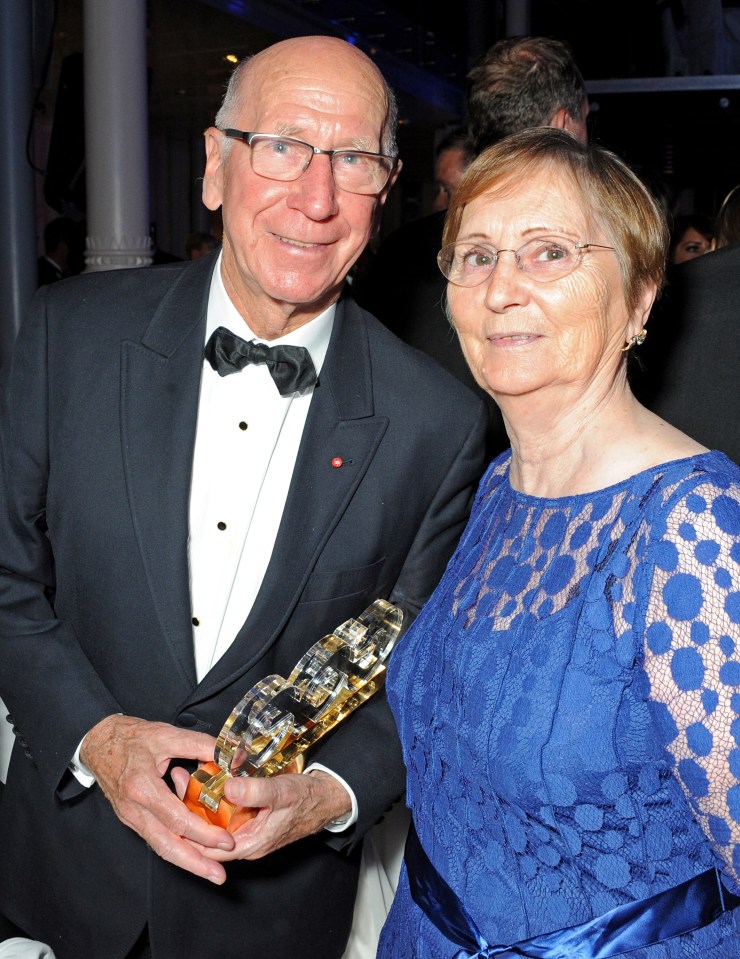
(342, 822)
(78, 767)
(79, 770)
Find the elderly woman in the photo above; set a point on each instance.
(569, 698)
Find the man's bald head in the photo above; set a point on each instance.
(320, 56)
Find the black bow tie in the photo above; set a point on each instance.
(291, 367)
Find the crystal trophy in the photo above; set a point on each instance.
(270, 729)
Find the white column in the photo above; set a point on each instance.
(116, 135)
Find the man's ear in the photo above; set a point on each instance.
(387, 188)
(576, 126)
(560, 119)
(213, 175)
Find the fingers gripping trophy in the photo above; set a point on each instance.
(271, 728)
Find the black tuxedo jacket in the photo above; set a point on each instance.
(96, 437)
(689, 368)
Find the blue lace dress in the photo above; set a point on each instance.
(569, 707)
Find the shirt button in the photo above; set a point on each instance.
(243, 425)
(195, 621)
(221, 525)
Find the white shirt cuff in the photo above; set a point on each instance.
(339, 825)
(79, 770)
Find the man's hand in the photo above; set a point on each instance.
(290, 808)
(128, 758)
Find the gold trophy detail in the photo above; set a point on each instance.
(279, 719)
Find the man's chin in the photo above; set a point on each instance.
(306, 295)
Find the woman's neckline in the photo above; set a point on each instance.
(612, 488)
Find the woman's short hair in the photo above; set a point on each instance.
(615, 196)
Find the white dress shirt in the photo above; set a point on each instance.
(245, 450)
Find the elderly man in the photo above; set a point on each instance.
(175, 527)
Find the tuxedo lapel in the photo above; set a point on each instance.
(341, 426)
(159, 402)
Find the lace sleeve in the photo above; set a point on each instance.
(693, 661)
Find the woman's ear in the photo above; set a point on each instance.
(641, 312)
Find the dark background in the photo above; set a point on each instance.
(678, 122)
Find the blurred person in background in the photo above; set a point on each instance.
(451, 157)
(62, 244)
(691, 236)
(199, 244)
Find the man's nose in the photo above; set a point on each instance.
(314, 193)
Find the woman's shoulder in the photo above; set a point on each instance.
(697, 499)
(711, 469)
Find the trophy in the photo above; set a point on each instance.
(270, 729)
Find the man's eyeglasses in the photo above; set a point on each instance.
(467, 263)
(283, 158)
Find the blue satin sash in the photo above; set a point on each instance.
(635, 925)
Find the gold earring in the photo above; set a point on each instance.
(637, 340)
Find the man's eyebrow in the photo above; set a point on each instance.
(363, 144)
(288, 130)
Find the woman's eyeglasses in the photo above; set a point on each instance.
(468, 263)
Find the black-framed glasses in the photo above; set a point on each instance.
(284, 158)
(545, 258)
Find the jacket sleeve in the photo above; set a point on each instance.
(51, 691)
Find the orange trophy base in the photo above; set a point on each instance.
(227, 816)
